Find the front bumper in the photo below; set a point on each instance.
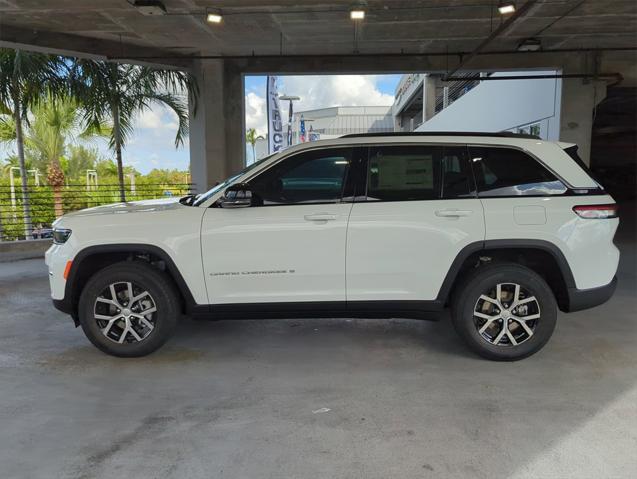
(579, 299)
(66, 307)
(56, 258)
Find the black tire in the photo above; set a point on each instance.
(162, 293)
(467, 301)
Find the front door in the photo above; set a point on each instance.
(289, 246)
(419, 210)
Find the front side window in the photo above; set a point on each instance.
(416, 173)
(309, 177)
(510, 172)
(202, 198)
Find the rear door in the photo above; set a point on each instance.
(418, 210)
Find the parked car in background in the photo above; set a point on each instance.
(43, 233)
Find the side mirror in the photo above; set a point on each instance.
(237, 196)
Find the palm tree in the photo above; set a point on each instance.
(80, 159)
(251, 137)
(118, 93)
(24, 78)
(55, 123)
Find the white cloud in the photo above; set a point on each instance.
(149, 118)
(322, 91)
(157, 117)
(255, 113)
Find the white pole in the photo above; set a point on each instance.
(36, 176)
(132, 183)
(12, 183)
(91, 180)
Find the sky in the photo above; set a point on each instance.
(152, 144)
(319, 91)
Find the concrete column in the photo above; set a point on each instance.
(578, 101)
(217, 137)
(428, 98)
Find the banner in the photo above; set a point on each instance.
(290, 119)
(275, 125)
(312, 135)
(302, 129)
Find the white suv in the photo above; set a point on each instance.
(505, 229)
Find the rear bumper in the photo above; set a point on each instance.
(579, 299)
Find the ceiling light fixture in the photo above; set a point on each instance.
(530, 45)
(214, 17)
(506, 7)
(357, 14)
(150, 7)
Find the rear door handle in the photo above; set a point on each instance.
(320, 217)
(451, 213)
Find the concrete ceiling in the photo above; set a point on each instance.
(115, 28)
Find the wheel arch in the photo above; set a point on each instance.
(94, 258)
(543, 257)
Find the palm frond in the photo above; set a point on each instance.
(179, 107)
(7, 130)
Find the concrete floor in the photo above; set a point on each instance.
(244, 399)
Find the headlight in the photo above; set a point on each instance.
(61, 235)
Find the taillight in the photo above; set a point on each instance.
(596, 211)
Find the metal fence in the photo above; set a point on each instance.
(46, 203)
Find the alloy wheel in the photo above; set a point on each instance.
(506, 315)
(125, 312)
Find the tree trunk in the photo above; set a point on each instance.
(254, 154)
(26, 206)
(118, 152)
(57, 201)
(55, 177)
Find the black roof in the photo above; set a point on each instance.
(500, 134)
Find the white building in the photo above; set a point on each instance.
(425, 103)
(326, 123)
(332, 122)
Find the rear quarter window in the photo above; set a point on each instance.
(502, 172)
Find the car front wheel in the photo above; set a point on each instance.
(504, 312)
(128, 309)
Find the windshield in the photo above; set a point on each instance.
(202, 198)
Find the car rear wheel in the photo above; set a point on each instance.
(128, 309)
(504, 312)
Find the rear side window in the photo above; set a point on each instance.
(416, 173)
(511, 172)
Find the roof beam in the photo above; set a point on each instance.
(79, 46)
(521, 12)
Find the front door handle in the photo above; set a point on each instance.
(320, 217)
(451, 213)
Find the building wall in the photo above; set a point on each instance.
(407, 87)
(505, 105)
(338, 121)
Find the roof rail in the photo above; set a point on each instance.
(500, 134)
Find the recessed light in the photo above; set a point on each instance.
(506, 7)
(357, 14)
(150, 7)
(214, 17)
(530, 45)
